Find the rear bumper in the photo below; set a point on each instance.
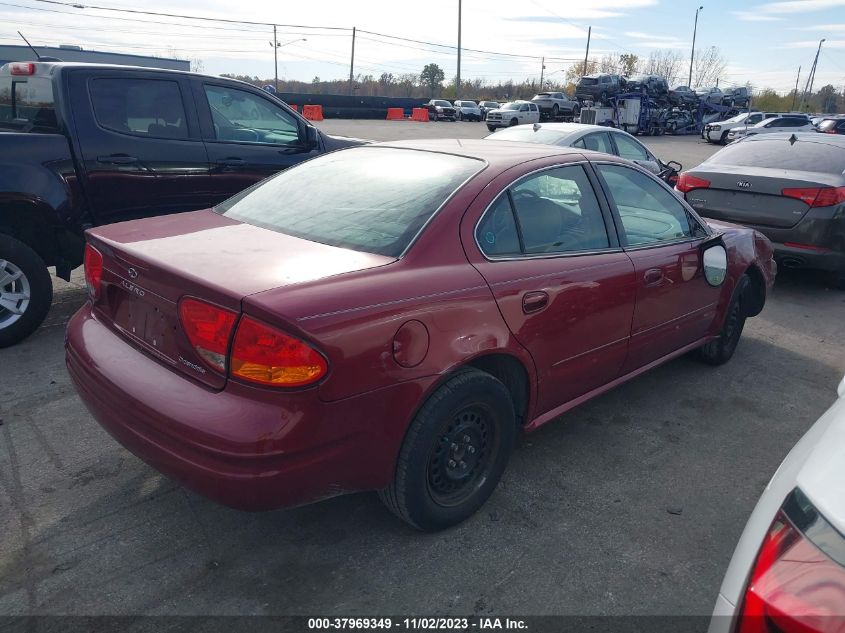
(797, 257)
(247, 448)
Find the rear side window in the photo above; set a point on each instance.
(142, 107)
(629, 148)
(805, 155)
(369, 199)
(555, 211)
(26, 103)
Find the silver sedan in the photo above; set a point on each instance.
(592, 137)
(788, 571)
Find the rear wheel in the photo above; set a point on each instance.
(454, 452)
(720, 350)
(555, 111)
(836, 279)
(25, 291)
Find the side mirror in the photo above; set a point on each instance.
(312, 137)
(714, 259)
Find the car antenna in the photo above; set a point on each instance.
(536, 127)
(793, 139)
(37, 56)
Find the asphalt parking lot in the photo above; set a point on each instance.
(630, 504)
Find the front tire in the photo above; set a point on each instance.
(26, 291)
(514, 122)
(454, 452)
(491, 128)
(721, 350)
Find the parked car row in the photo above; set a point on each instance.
(460, 110)
(719, 131)
(599, 88)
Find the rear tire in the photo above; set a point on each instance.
(454, 452)
(836, 279)
(720, 350)
(26, 291)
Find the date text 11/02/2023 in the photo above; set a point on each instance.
(417, 624)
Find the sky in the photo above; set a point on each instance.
(763, 42)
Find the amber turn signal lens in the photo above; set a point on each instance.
(264, 355)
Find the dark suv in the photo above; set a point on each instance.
(598, 87)
(833, 125)
(653, 85)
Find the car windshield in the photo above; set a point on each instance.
(511, 106)
(828, 124)
(588, 81)
(739, 118)
(442, 103)
(543, 95)
(370, 199)
(527, 134)
(805, 155)
(468, 104)
(490, 104)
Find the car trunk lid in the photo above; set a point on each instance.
(738, 194)
(149, 265)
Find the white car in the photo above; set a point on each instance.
(513, 113)
(788, 571)
(468, 110)
(717, 132)
(775, 124)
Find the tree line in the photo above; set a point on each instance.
(708, 69)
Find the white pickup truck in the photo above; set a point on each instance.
(513, 113)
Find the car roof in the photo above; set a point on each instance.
(827, 139)
(497, 153)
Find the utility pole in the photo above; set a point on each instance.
(276, 58)
(587, 54)
(542, 68)
(458, 80)
(352, 65)
(795, 93)
(692, 54)
(808, 89)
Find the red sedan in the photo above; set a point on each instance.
(389, 317)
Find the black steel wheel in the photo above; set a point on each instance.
(454, 452)
(721, 350)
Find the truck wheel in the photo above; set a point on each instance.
(514, 122)
(491, 128)
(555, 111)
(26, 291)
(454, 452)
(720, 351)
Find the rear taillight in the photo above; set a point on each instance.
(209, 328)
(686, 183)
(796, 586)
(22, 68)
(817, 196)
(267, 356)
(93, 261)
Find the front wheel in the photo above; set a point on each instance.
(514, 122)
(25, 291)
(720, 350)
(454, 453)
(492, 128)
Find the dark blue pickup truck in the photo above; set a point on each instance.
(83, 145)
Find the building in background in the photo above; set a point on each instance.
(68, 53)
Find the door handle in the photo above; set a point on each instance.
(653, 276)
(232, 162)
(117, 159)
(534, 301)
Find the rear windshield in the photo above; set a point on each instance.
(27, 104)
(829, 124)
(779, 154)
(588, 81)
(543, 95)
(370, 199)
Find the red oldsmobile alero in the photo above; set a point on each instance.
(389, 317)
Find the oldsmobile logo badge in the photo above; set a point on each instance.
(133, 274)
